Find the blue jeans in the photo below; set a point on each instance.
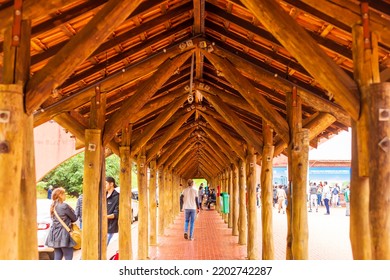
(190, 215)
(63, 252)
(109, 236)
(326, 200)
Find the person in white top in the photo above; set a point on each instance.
(191, 207)
(326, 195)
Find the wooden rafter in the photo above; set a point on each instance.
(299, 43)
(80, 47)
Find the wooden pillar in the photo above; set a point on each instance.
(360, 186)
(242, 223)
(170, 195)
(218, 200)
(300, 231)
(230, 191)
(161, 200)
(252, 208)
(11, 154)
(379, 124)
(125, 212)
(226, 190)
(236, 201)
(299, 154)
(94, 232)
(143, 208)
(267, 194)
(166, 199)
(17, 71)
(152, 201)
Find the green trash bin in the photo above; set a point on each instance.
(225, 202)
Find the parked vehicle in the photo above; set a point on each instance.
(44, 222)
(134, 204)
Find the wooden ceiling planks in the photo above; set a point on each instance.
(127, 59)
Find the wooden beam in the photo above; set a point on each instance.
(80, 47)
(232, 118)
(268, 79)
(385, 75)
(234, 144)
(151, 153)
(143, 94)
(173, 146)
(249, 92)
(78, 130)
(158, 122)
(106, 85)
(349, 14)
(299, 43)
(32, 9)
(220, 142)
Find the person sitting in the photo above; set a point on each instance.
(212, 198)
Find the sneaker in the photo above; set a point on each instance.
(316, 210)
(191, 238)
(185, 235)
(310, 210)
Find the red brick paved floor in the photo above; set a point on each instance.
(328, 238)
(213, 240)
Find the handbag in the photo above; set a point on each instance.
(74, 231)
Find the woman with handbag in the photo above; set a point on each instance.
(59, 237)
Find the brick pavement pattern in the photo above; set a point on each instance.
(328, 238)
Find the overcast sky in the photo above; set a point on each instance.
(336, 148)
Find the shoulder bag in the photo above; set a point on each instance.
(74, 231)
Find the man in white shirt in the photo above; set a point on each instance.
(191, 207)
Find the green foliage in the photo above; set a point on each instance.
(69, 174)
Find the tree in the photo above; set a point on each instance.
(69, 174)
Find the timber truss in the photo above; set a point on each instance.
(194, 82)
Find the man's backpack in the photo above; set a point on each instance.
(335, 191)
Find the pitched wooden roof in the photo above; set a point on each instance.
(238, 59)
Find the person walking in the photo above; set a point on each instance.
(281, 199)
(58, 237)
(79, 210)
(49, 192)
(326, 196)
(191, 207)
(112, 208)
(347, 200)
(313, 199)
(200, 195)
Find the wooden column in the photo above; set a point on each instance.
(143, 208)
(217, 206)
(230, 191)
(17, 71)
(94, 203)
(152, 202)
(165, 209)
(360, 186)
(161, 200)
(252, 208)
(125, 211)
(379, 124)
(170, 196)
(267, 194)
(236, 201)
(242, 222)
(299, 154)
(11, 155)
(226, 190)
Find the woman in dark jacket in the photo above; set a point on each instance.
(58, 237)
